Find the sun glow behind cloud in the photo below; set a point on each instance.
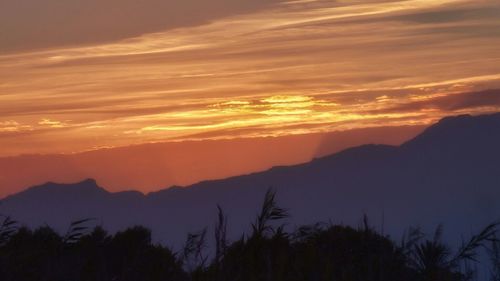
(297, 67)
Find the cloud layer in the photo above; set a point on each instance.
(33, 24)
(287, 68)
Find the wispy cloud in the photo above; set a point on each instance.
(52, 123)
(12, 126)
(293, 67)
(486, 101)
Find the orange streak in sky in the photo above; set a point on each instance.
(295, 67)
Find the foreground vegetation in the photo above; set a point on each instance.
(317, 252)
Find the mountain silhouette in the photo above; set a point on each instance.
(148, 166)
(449, 174)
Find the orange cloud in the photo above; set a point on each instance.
(52, 123)
(289, 67)
(13, 126)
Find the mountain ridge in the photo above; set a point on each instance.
(446, 121)
(411, 184)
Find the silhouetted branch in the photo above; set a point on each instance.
(76, 230)
(269, 212)
(193, 250)
(468, 251)
(8, 228)
(494, 253)
(220, 235)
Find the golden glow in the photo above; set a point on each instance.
(295, 67)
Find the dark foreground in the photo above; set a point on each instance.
(317, 252)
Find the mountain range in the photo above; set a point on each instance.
(448, 174)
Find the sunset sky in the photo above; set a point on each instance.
(85, 75)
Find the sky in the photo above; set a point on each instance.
(80, 76)
(151, 167)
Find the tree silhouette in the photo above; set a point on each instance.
(314, 253)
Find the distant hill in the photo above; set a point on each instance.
(151, 166)
(448, 174)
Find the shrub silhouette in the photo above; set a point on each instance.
(316, 253)
(129, 255)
